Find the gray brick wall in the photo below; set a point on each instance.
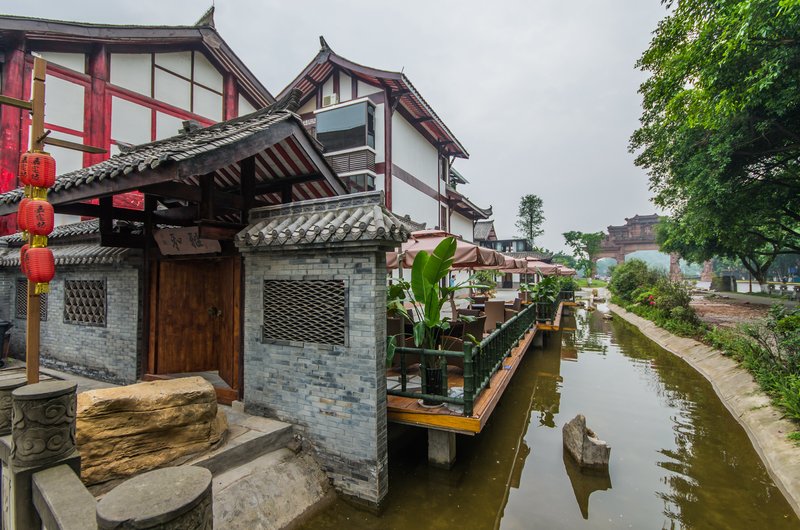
(336, 395)
(107, 353)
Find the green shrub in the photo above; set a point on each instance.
(630, 276)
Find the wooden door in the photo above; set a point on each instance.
(196, 322)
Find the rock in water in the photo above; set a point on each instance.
(584, 446)
(130, 429)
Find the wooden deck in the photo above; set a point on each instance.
(410, 412)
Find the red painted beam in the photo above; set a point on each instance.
(96, 123)
(230, 108)
(10, 127)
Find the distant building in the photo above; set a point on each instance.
(114, 86)
(379, 133)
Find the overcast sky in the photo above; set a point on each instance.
(542, 93)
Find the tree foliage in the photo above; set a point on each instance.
(720, 128)
(530, 217)
(585, 246)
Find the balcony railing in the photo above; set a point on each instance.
(480, 361)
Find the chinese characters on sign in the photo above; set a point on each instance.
(184, 241)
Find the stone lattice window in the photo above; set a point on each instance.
(22, 301)
(305, 311)
(85, 302)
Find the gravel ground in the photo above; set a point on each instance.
(719, 310)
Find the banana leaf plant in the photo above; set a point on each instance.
(546, 291)
(429, 292)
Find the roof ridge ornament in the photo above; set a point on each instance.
(207, 19)
(323, 45)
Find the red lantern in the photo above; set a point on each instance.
(21, 220)
(41, 265)
(23, 257)
(39, 217)
(37, 169)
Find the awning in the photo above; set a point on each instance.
(468, 256)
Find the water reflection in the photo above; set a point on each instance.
(678, 459)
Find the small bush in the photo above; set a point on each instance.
(630, 276)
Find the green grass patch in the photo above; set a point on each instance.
(584, 283)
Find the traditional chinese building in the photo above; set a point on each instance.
(379, 133)
(115, 86)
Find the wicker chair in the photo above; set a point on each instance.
(495, 312)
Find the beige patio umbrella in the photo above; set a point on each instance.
(468, 255)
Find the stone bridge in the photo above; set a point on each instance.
(638, 233)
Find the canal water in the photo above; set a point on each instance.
(678, 458)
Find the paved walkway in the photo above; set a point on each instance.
(84, 383)
(756, 299)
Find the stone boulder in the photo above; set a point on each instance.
(584, 446)
(130, 429)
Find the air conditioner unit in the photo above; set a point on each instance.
(327, 101)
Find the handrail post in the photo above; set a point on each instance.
(469, 380)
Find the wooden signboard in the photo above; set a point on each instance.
(184, 242)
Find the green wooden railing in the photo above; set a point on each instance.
(480, 361)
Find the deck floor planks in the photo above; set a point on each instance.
(409, 411)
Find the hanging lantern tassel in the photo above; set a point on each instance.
(41, 268)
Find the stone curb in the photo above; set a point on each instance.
(764, 423)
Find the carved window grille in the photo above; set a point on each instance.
(305, 311)
(22, 301)
(85, 302)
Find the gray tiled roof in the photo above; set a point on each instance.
(73, 230)
(72, 255)
(356, 217)
(169, 150)
(482, 229)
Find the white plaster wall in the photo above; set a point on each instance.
(132, 71)
(178, 62)
(207, 103)
(245, 107)
(130, 122)
(327, 87)
(413, 153)
(172, 89)
(408, 200)
(73, 61)
(345, 87)
(64, 103)
(206, 73)
(461, 226)
(365, 89)
(167, 125)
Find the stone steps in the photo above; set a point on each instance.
(249, 437)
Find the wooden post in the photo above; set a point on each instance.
(34, 300)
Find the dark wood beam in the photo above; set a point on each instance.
(422, 119)
(286, 194)
(187, 192)
(206, 208)
(121, 240)
(93, 210)
(247, 186)
(218, 230)
(182, 215)
(106, 215)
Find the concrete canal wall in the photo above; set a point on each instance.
(764, 424)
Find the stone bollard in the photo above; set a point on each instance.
(6, 388)
(173, 498)
(42, 436)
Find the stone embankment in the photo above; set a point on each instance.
(765, 424)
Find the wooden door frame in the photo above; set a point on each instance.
(224, 395)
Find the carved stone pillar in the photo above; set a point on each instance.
(708, 271)
(42, 436)
(6, 388)
(675, 273)
(43, 423)
(173, 498)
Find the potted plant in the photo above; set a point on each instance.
(430, 292)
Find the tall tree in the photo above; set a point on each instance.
(585, 246)
(720, 129)
(530, 217)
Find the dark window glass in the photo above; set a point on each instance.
(371, 126)
(345, 127)
(356, 183)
